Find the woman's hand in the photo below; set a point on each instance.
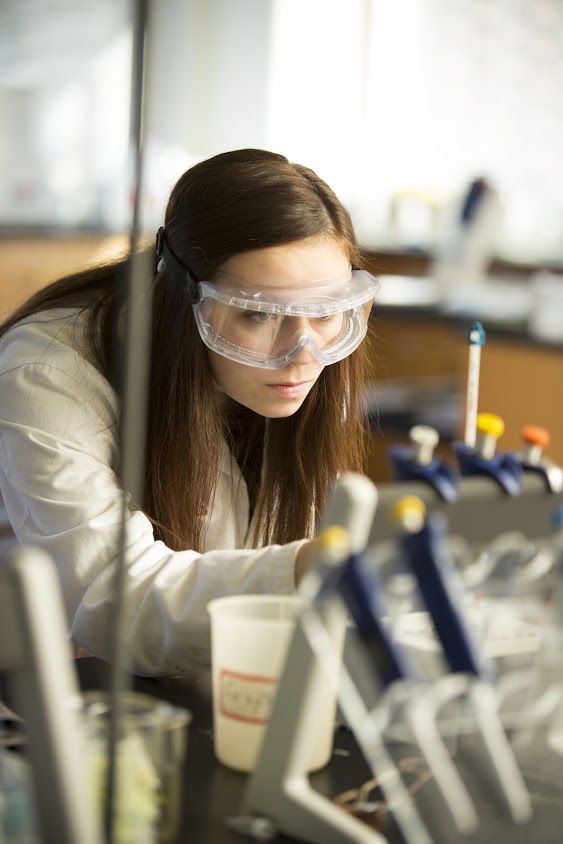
(304, 559)
(332, 548)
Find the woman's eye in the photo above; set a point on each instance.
(258, 317)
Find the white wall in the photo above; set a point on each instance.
(382, 97)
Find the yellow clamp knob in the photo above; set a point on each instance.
(490, 423)
(333, 541)
(409, 511)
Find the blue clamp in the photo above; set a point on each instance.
(442, 591)
(550, 471)
(417, 462)
(362, 593)
(504, 468)
(437, 473)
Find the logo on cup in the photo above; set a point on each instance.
(246, 697)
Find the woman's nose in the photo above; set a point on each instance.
(296, 332)
(303, 356)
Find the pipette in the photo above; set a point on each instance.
(366, 728)
(279, 788)
(476, 341)
(350, 508)
(345, 529)
(423, 544)
(358, 585)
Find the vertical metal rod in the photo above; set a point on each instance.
(133, 423)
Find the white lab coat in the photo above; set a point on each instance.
(58, 453)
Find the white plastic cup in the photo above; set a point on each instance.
(250, 637)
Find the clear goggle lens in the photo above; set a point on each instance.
(267, 329)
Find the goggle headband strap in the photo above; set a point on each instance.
(180, 274)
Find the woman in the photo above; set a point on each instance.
(255, 404)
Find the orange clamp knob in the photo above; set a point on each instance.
(490, 423)
(536, 435)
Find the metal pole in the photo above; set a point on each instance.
(134, 378)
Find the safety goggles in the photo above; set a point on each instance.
(269, 327)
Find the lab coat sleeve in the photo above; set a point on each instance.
(57, 457)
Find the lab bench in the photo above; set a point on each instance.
(213, 793)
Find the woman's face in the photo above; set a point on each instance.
(275, 393)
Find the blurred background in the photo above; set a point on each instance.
(389, 100)
(438, 123)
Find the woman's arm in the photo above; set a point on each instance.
(58, 450)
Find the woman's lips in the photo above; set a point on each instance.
(290, 391)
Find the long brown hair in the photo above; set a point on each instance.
(231, 203)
